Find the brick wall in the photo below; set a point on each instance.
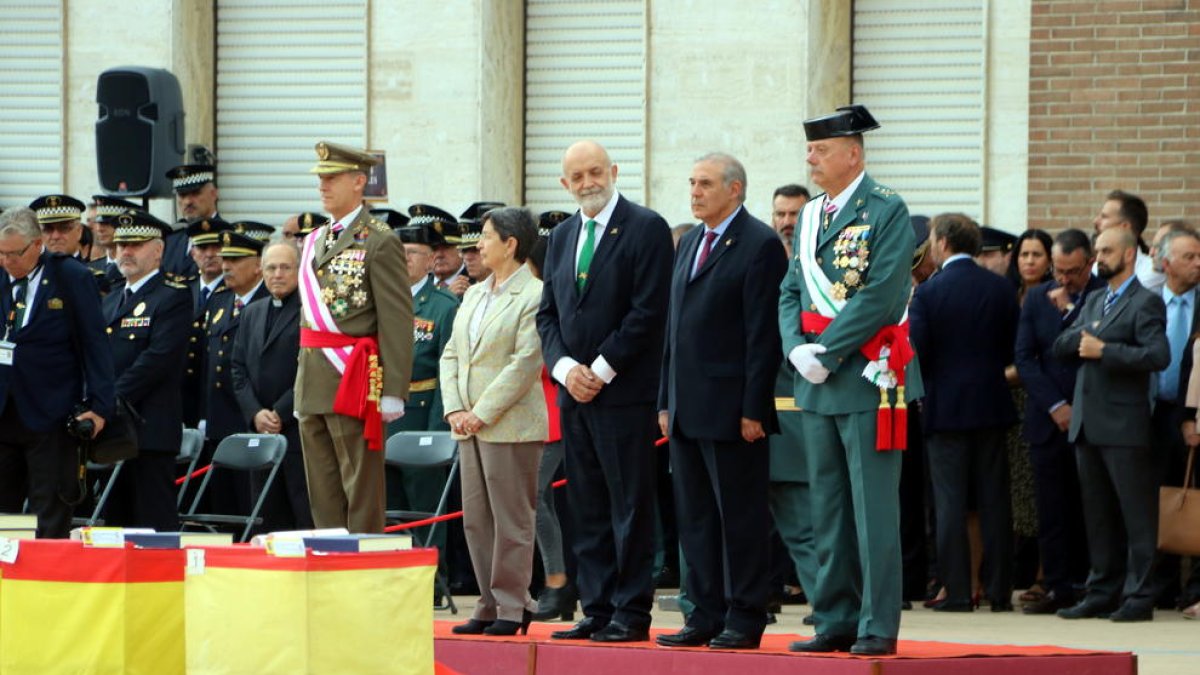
(1114, 102)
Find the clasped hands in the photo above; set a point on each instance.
(583, 384)
(804, 358)
(465, 422)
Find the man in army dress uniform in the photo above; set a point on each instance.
(433, 316)
(148, 322)
(842, 315)
(241, 264)
(355, 346)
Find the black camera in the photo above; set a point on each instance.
(81, 430)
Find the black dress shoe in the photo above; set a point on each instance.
(1130, 612)
(1086, 609)
(734, 639)
(688, 637)
(823, 644)
(471, 627)
(1049, 604)
(556, 602)
(1002, 606)
(616, 631)
(809, 621)
(580, 631)
(869, 645)
(945, 605)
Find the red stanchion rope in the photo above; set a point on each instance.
(415, 523)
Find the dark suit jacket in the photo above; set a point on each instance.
(723, 344)
(1046, 378)
(622, 310)
(963, 323)
(148, 337)
(107, 274)
(264, 364)
(194, 393)
(1112, 394)
(49, 374)
(222, 412)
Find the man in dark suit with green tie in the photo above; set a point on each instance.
(842, 316)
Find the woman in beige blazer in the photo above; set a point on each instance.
(493, 399)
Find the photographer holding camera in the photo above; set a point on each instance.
(53, 355)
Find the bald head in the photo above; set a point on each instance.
(588, 174)
(1117, 237)
(1116, 251)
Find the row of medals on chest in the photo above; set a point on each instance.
(851, 252)
(341, 282)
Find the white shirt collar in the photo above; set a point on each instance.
(844, 196)
(137, 285)
(605, 213)
(246, 298)
(416, 288)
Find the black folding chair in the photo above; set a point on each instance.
(105, 478)
(425, 450)
(239, 452)
(189, 454)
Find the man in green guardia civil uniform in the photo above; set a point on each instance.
(842, 312)
(433, 316)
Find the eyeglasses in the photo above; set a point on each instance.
(13, 255)
(47, 228)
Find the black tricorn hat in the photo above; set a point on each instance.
(849, 120)
(421, 234)
(475, 211)
(992, 239)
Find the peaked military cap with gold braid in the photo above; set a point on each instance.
(108, 208)
(57, 209)
(206, 231)
(255, 230)
(238, 245)
(335, 158)
(308, 221)
(135, 226)
(187, 178)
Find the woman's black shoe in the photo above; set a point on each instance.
(472, 627)
(556, 602)
(503, 627)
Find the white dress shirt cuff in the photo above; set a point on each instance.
(560, 369)
(602, 370)
(1058, 405)
(389, 405)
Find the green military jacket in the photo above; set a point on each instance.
(873, 227)
(433, 317)
(363, 277)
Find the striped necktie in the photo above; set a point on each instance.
(1109, 300)
(830, 209)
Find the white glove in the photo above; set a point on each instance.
(391, 408)
(804, 358)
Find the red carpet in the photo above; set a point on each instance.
(537, 654)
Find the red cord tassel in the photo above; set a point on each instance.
(900, 421)
(883, 422)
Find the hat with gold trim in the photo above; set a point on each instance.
(442, 222)
(336, 158)
(108, 208)
(253, 229)
(992, 239)
(57, 209)
(550, 220)
(206, 231)
(239, 245)
(849, 120)
(135, 226)
(392, 217)
(308, 221)
(187, 178)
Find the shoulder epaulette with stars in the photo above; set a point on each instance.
(379, 226)
(884, 191)
(221, 289)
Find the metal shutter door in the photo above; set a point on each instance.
(288, 75)
(919, 65)
(31, 106)
(585, 77)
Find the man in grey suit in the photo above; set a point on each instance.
(1120, 341)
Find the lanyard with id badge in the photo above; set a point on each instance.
(12, 322)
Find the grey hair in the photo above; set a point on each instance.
(514, 221)
(21, 221)
(731, 170)
(1164, 246)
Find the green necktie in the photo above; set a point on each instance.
(585, 255)
(19, 287)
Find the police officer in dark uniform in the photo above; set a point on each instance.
(205, 235)
(60, 218)
(447, 260)
(240, 260)
(195, 197)
(108, 274)
(148, 323)
(433, 316)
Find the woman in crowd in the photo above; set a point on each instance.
(496, 410)
(558, 597)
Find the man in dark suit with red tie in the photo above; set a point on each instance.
(52, 333)
(717, 405)
(604, 304)
(1050, 382)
